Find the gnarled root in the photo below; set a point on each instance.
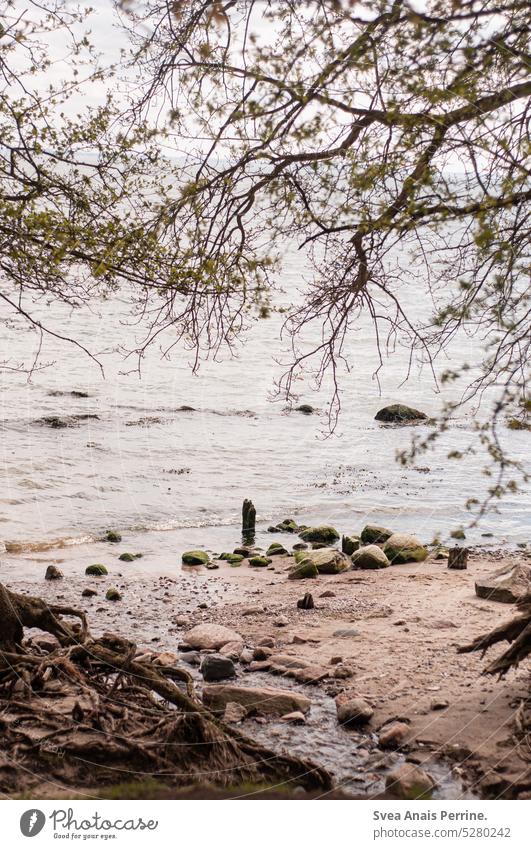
(516, 631)
(90, 713)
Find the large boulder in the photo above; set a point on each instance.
(404, 548)
(399, 414)
(369, 557)
(328, 561)
(210, 636)
(374, 534)
(320, 533)
(264, 700)
(507, 585)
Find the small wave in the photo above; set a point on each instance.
(46, 545)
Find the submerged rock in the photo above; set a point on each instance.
(306, 409)
(409, 781)
(126, 557)
(375, 533)
(287, 526)
(96, 569)
(320, 533)
(216, 667)
(53, 573)
(211, 636)
(195, 558)
(369, 557)
(328, 561)
(404, 548)
(507, 585)
(398, 414)
(59, 422)
(268, 701)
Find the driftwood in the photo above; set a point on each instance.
(458, 558)
(248, 521)
(516, 631)
(93, 712)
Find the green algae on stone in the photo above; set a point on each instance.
(320, 533)
(96, 569)
(404, 548)
(195, 558)
(259, 561)
(276, 549)
(112, 594)
(113, 536)
(126, 557)
(303, 569)
(374, 534)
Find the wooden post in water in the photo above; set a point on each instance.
(457, 558)
(248, 521)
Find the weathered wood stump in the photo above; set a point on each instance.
(457, 558)
(306, 603)
(248, 521)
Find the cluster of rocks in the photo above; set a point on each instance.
(374, 548)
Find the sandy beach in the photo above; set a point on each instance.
(389, 636)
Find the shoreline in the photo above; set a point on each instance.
(406, 623)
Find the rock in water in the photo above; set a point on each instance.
(53, 573)
(399, 414)
(216, 667)
(321, 533)
(351, 710)
(404, 548)
(327, 561)
(195, 558)
(507, 585)
(409, 782)
(264, 700)
(369, 557)
(375, 533)
(211, 636)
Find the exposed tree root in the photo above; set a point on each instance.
(516, 631)
(90, 713)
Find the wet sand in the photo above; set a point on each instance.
(406, 622)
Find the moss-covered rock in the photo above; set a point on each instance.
(399, 414)
(96, 569)
(233, 559)
(113, 536)
(404, 548)
(350, 544)
(126, 557)
(369, 557)
(304, 568)
(320, 533)
(259, 561)
(195, 558)
(327, 561)
(276, 549)
(113, 594)
(373, 534)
